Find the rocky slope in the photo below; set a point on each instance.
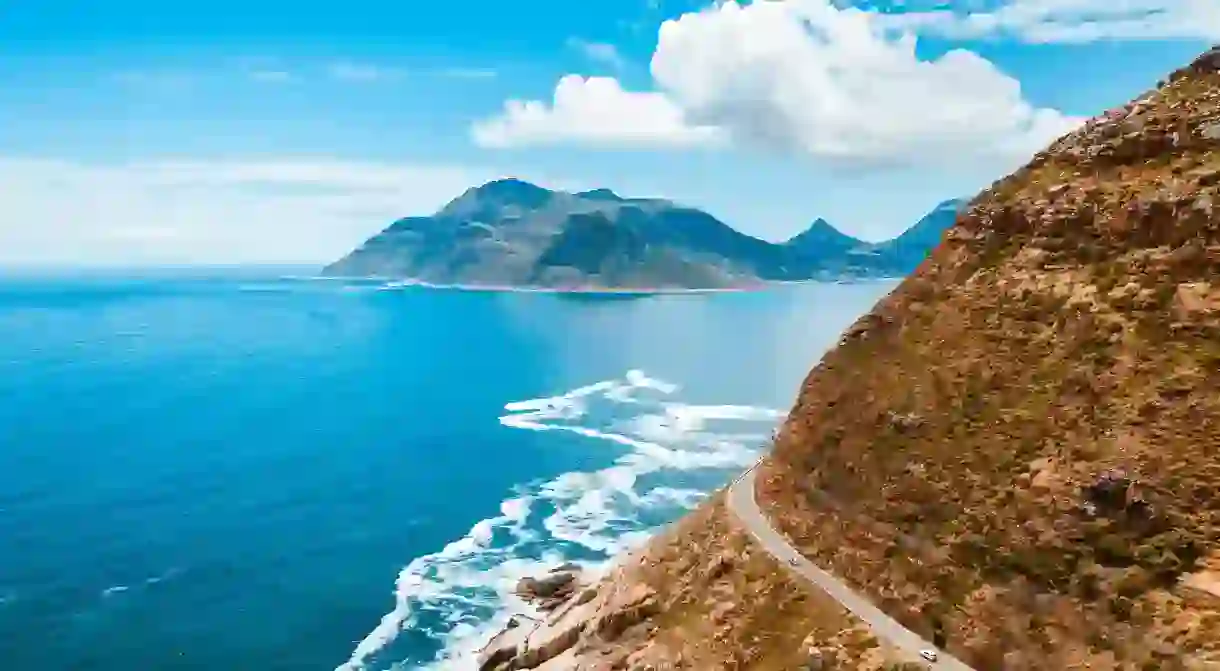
(1016, 453)
(510, 232)
(699, 597)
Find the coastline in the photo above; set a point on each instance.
(607, 291)
(400, 283)
(392, 283)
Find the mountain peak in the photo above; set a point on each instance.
(510, 186)
(953, 204)
(599, 194)
(821, 236)
(481, 201)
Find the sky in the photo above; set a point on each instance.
(141, 132)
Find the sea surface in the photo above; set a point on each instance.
(241, 471)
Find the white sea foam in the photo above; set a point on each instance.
(119, 589)
(463, 593)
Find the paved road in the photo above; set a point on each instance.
(742, 504)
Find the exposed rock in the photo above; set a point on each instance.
(904, 422)
(545, 587)
(579, 617)
(1109, 490)
(633, 607)
(551, 590)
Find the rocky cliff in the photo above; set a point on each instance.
(1016, 453)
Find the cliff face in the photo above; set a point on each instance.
(1017, 452)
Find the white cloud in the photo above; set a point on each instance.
(361, 72)
(830, 82)
(599, 52)
(593, 111)
(1076, 21)
(800, 75)
(468, 73)
(286, 210)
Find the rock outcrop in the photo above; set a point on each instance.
(698, 597)
(549, 591)
(580, 617)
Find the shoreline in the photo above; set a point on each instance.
(399, 283)
(575, 291)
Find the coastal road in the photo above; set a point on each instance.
(744, 506)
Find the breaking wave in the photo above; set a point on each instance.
(672, 455)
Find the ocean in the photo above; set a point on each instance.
(244, 471)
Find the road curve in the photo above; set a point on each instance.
(742, 504)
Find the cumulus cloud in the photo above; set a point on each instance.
(286, 210)
(1072, 21)
(799, 75)
(594, 111)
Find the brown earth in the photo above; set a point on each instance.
(1029, 472)
(1031, 464)
(700, 596)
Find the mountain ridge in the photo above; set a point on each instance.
(510, 232)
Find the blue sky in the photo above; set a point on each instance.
(150, 132)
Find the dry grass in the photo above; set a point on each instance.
(729, 605)
(1069, 327)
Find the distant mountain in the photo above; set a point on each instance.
(904, 253)
(822, 250)
(512, 233)
(821, 240)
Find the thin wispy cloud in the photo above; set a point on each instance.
(285, 209)
(362, 72)
(468, 73)
(1068, 21)
(599, 52)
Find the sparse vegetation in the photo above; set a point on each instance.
(1028, 471)
(1073, 340)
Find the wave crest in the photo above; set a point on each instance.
(675, 454)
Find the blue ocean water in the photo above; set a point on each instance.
(253, 472)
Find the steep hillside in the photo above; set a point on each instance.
(1017, 452)
(1032, 456)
